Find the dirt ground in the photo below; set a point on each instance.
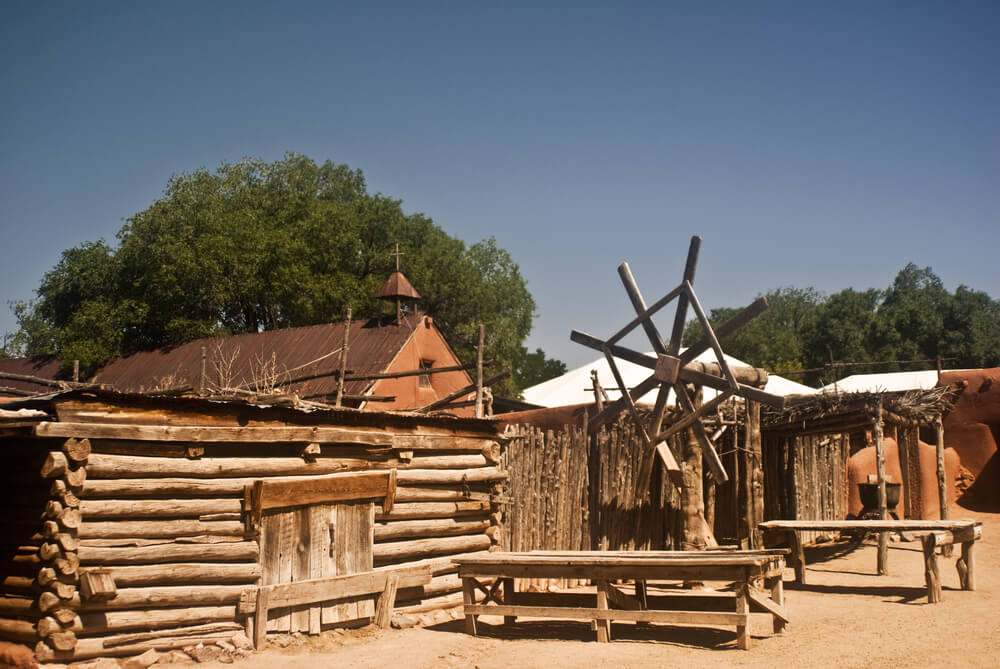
(846, 617)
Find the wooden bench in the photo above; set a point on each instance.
(936, 533)
(755, 578)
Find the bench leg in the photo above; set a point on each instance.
(603, 626)
(469, 599)
(966, 566)
(798, 556)
(882, 567)
(640, 596)
(743, 608)
(508, 599)
(931, 574)
(778, 597)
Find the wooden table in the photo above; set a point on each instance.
(935, 533)
(755, 578)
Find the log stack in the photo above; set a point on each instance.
(143, 537)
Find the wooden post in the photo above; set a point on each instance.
(883, 537)
(692, 492)
(754, 476)
(904, 470)
(479, 372)
(76, 371)
(201, 384)
(343, 359)
(942, 487)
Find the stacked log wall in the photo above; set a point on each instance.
(168, 520)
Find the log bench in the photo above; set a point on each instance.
(935, 533)
(753, 578)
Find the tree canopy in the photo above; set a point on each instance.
(915, 318)
(256, 246)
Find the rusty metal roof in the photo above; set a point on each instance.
(303, 360)
(397, 285)
(43, 367)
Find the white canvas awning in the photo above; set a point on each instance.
(575, 386)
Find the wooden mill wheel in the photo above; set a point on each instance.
(673, 369)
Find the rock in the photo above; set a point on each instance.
(226, 658)
(100, 663)
(241, 640)
(282, 641)
(225, 645)
(174, 657)
(147, 659)
(205, 653)
(401, 621)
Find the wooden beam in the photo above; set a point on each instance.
(444, 401)
(258, 435)
(277, 494)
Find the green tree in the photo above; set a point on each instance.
(536, 368)
(256, 246)
(772, 340)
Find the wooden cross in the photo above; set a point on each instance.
(397, 253)
(672, 369)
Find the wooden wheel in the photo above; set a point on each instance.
(673, 369)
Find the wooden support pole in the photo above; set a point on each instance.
(479, 371)
(942, 487)
(883, 537)
(343, 359)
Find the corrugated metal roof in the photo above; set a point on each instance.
(45, 367)
(302, 360)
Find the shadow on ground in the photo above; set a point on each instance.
(562, 630)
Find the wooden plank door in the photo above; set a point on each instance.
(316, 541)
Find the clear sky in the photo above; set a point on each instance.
(809, 145)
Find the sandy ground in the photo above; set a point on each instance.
(846, 617)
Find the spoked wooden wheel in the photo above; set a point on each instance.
(673, 369)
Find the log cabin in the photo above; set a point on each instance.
(134, 521)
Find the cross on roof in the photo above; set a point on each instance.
(397, 253)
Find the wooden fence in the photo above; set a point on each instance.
(805, 478)
(568, 492)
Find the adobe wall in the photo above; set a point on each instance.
(972, 428)
(862, 463)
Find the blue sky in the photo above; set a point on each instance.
(809, 145)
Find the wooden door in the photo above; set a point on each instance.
(316, 541)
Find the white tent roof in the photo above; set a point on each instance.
(575, 386)
(889, 381)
